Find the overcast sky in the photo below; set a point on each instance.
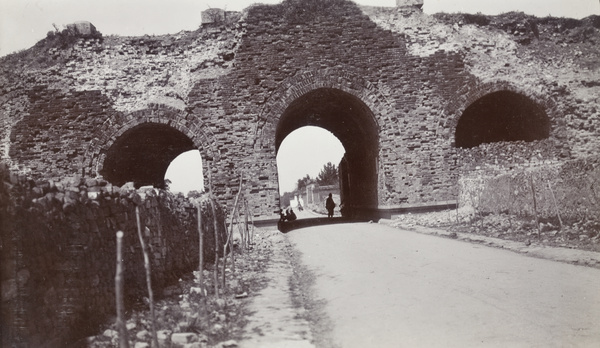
(24, 22)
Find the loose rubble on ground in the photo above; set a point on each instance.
(185, 317)
(584, 235)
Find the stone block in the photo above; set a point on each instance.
(181, 339)
(212, 15)
(82, 28)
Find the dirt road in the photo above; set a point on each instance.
(376, 286)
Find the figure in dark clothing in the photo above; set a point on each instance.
(290, 215)
(281, 215)
(329, 205)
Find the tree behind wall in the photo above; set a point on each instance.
(328, 175)
(302, 183)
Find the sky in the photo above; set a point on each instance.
(305, 151)
(185, 173)
(24, 22)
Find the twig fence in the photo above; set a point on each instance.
(246, 233)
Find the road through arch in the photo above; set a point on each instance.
(353, 123)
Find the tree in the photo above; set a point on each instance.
(328, 175)
(302, 183)
(285, 199)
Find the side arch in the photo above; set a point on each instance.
(468, 96)
(181, 130)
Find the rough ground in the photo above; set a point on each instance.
(268, 300)
(183, 315)
(580, 235)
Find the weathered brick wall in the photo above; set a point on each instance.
(282, 59)
(226, 86)
(59, 253)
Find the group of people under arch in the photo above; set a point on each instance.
(289, 215)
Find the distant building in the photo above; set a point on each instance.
(316, 194)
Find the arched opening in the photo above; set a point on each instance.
(184, 174)
(501, 116)
(353, 123)
(302, 163)
(142, 154)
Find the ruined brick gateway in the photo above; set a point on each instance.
(413, 98)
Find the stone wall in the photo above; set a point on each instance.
(231, 87)
(568, 190)
(59, 246)
(282, 60)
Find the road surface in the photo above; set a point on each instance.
(377, 286)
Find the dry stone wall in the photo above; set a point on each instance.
(59, 253)
(567, 191)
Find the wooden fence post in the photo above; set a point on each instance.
(201, 248)
(216, 234)
(123, 339)
(555, 206)
(148, 277)
(537, 221)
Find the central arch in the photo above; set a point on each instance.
(353, 123)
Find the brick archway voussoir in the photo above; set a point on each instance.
(300, 84)
(112, 129)
(467, 95)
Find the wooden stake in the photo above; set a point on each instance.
(230, 242)
(243, 240)
(555, 206)
(230, 232)
(201, 249)
(148, 277)
(223, 280)
(537, 222)
(246, 231)
(251, 235)
(510, 200)
(457, 203)
(241, 231)
(216, 234)
(123, 339)
(216, 231)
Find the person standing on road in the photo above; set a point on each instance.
(329, 205)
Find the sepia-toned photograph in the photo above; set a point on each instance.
(299, 173)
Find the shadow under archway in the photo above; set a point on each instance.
(353, 123)
(501, 116)
(289, 226)
(142, 154)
